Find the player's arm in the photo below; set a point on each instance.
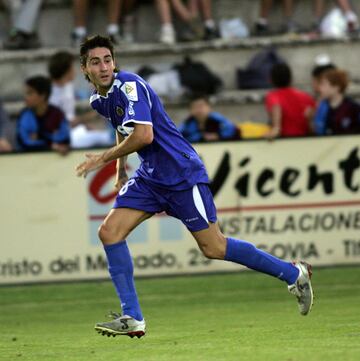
(121, 177)
(138, 139)
(275, 118)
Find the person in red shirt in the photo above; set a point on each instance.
(290, 109)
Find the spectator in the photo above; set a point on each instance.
(323, 65)
(345, 6)
(23, 14)
(262, 23)
(41, 126)
(5, 146)
(203, 124)
(190, 31)
(343, 113)
(80, 13)
(290, 110)
(62, 72)
(205, 6)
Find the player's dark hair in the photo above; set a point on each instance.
(93, 42)
(41, 84)
(281, 76)
(319, 70)
(59, 64)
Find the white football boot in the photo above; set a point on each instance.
(302, 289)
(121, 326)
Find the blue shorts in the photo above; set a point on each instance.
(194, 207)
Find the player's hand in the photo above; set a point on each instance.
(93, 162)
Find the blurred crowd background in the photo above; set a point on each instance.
(225, 69)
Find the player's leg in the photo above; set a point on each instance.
(196, 209)
(112, 233)
(134, 204)
(215, 245)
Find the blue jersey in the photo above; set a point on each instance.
(169, 161)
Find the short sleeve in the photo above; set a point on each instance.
(138, 102)
(271, 100)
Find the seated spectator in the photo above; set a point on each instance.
(290, 109)
(80, 14)
(322, 64)
(203, 124)
(41, 126)
(23, 14)
(341, 114)
(345, 6)
(62, 73)
(5, 146)
(262, 23)
(190, 30)
(322, 107)
(205, 7)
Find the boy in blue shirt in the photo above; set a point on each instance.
(171, 178)
(204, 125)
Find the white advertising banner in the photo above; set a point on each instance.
(298, 199)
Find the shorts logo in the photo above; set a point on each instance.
(191, 219)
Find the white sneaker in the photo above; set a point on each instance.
(302, 288)
(121, 326)
(167, 35)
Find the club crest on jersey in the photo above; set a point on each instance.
(130, 90)
(119, 111)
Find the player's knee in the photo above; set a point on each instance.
(105, 234)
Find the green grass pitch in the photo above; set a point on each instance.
(243, 316)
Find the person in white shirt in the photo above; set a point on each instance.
(62, 72)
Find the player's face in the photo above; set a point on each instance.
(100, 67)
(32, 97)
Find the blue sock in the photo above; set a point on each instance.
(248, 255)
(122, 274)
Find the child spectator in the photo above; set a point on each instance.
(203, 124)
(62, 73)
(5, 146)
(343, 113)
(322, 107)
(290, 109)
(322, 64)
(41, 126)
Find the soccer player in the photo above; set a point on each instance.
(171, 178)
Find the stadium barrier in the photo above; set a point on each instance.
(296, 198)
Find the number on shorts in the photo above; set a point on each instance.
(126, 186)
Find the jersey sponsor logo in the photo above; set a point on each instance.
(130, 90)
(119, 111)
